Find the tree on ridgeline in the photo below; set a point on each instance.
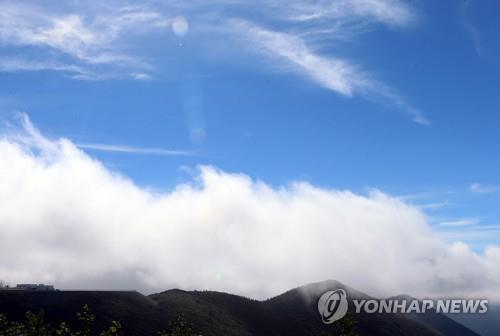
(179, 328)
(347, 325)
(34, 325)
(343, 327)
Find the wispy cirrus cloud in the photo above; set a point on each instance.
(82, 43)
(89, 41)
(301, 36)
(336, 74)
(391, 12)
(332, 73)
(299, 45)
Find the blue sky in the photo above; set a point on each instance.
(398, 96)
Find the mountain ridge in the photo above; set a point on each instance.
(291, 313)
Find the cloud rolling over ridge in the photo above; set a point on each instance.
(66, 219)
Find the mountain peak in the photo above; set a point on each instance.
(314, 290)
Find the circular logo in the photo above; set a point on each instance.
(332, 305)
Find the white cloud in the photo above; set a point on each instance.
(484, 189)
(66, 219)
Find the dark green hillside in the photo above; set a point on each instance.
(293, 313)
(487, 324)
(439, 322)
(138, 314)
(301, 309)
(210, 312)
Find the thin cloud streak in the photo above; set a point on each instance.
(134, 150)
(14, 65)
(460, 222)
(484, 189)
(18, 65)
(434, 205)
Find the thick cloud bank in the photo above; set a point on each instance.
(66, 219)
